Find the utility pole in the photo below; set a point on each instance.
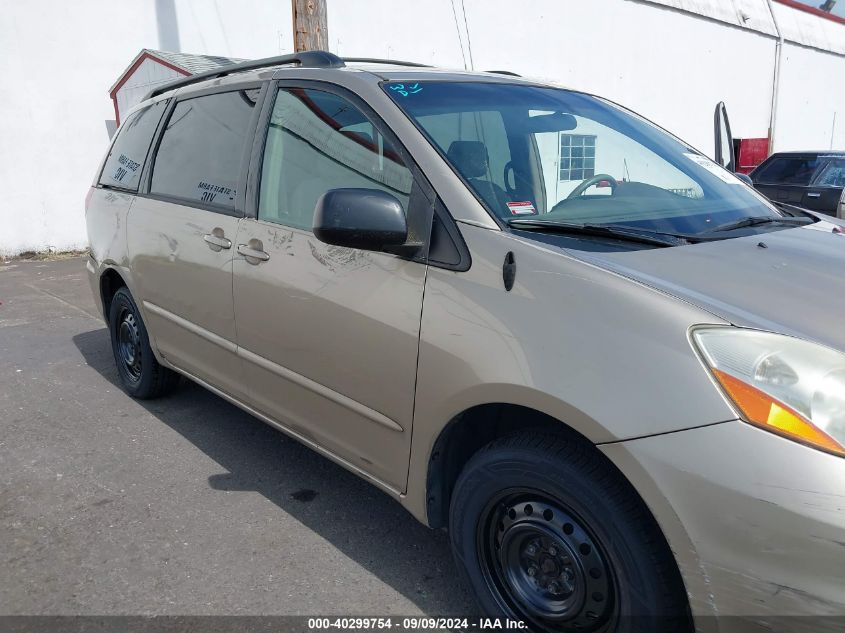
(310, 32)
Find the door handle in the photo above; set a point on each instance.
(253, 252)
(814, 194)
(216, 240)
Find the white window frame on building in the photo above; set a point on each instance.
(577, 153)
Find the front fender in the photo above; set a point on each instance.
(607, 356)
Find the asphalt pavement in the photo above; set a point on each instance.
(184, 505)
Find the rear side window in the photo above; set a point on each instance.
(126, 159)
(789, 171)
(201, 151)
(833, 174)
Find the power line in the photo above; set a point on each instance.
(469, 43)
(458, 29)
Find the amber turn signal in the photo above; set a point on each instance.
(766, 412)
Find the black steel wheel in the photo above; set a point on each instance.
(141, 375)
(545, 530)
(543, 564)
(129, 344)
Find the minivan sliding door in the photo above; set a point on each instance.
(182, 234)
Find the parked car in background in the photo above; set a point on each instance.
(812, 180)
(840, 213)
(612, 370)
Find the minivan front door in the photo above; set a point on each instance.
(329, 335)
(181, 235)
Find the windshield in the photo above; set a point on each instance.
(535, 153)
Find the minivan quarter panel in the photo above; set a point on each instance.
(106, 223)
(106, 218)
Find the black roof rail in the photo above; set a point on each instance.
(503, 72)
(391, 62)
(306, 59)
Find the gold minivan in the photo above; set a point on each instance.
(612, 370)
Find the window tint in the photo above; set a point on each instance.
(833, 174)
(199, 157)
(126, 159)
(789, 171)
(319, 141)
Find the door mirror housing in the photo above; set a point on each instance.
(724, 140)
(369, 219)
(745, 178)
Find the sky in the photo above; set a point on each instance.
(839, 9)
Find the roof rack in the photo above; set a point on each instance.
(307, 59)
(503, 72)
(391, 62)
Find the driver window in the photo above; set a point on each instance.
(318, 141)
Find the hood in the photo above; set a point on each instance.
(789, 281)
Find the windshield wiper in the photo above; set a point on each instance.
(756, 221)
(792, 211)
(601, 230)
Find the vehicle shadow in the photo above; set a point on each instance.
(362, 522)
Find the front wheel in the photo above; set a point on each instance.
(141, 375)
(546, 531)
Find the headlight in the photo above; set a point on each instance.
(779, 383)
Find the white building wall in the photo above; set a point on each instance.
(809, 30)
(811, 100)
(811, 96)
(58, 59)
(57, 62)
(670, 66)
(747, 14)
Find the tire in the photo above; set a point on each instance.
(141, 375)
(545, 530)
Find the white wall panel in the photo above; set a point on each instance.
(812, 91)
(671, 67)
(747, 14)
(810, 30)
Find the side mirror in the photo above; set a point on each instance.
(368, 219)
(724, 140)
(745, 178)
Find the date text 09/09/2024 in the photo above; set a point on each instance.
(416, 623)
